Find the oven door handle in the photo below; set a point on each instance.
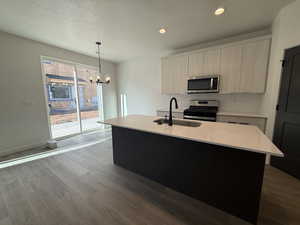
(211, 83)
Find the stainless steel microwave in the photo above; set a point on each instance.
(203, 84)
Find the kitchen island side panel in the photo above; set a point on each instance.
(228, 179)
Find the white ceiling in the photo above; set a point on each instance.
(128, 28)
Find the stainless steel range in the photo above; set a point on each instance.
(202, 110)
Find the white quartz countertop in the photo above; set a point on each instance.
(243, 137)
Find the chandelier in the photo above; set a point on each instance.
(100, 77)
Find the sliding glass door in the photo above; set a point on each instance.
(74, 103)
(90, 98)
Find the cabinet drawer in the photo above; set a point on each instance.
(256, 121)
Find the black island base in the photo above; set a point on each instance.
(226, 178)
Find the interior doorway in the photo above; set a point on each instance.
(74, 104)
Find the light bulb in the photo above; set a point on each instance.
(219, 11)
(162, 30)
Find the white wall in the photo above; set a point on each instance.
(286, 34)
(140, 80)
(23, 116)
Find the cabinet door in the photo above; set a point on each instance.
(174, 74)
(166, 76)
(255, 57)
(196, 64)
(231, 61)
(180, 64)
(212, 62)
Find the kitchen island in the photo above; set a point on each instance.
(217, 163)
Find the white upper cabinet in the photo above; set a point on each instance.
(204, 63)
(212, 62)
(242, 67)
(254, 67)
(174, 74)
(180, 74)
(196, 64)
(231, 60)
(166, 76)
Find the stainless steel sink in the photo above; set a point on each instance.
(178, 122)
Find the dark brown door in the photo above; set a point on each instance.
(287, 125)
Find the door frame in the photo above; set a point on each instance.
(75, 64)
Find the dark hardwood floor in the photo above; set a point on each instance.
(84, 187)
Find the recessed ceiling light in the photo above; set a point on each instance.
(219, 11)
(162, 30)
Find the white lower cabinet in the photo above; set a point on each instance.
(260, 122)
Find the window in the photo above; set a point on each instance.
(59, 92)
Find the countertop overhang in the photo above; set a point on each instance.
(242, 137)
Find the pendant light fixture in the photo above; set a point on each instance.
(100, 77)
